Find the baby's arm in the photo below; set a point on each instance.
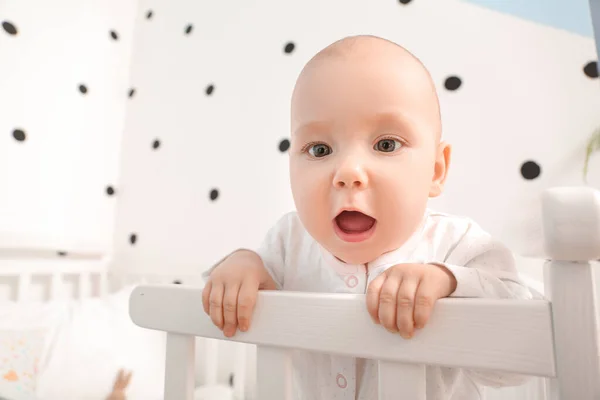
(485, 268)
(271, 252)
(232, 285)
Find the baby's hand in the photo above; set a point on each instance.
(120, 385)
(402, 297)
(229, 296)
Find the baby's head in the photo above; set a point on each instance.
(365, 137)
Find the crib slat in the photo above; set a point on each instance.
(274, 373)
(103, 285)
(24, 287)
(239, 382)
(401, 381)
(84, 285)
(179, 367)
(56, 286)
(211, 360)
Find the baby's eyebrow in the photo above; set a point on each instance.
(312, 127)
(394, 117)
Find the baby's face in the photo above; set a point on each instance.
(365, 154)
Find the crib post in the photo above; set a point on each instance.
(179, 367)
(571, 218)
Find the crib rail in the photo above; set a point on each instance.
(510, 335)
(88, 277)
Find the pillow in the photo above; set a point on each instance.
(90, 346)
(20, 353)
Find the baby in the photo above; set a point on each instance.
(366, 155)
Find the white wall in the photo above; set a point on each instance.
(524, 97)
(53, 183)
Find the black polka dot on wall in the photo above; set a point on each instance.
(83, 89)
(133, 238)
(284, 145)
(177, 282)
(404, 1)
(61, 253)
(149, 14)
(591, 69)
(188, 29)
(110, 190)
(452, 83)
(19, 135)
(156, 144)
(210, 89)
(131, 92)
(289, 47)
(530, 170)
(114, 35)
(214, 194)
(9, 28)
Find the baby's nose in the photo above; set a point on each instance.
(351, 176)
(342, 183)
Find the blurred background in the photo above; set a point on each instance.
(155, 132)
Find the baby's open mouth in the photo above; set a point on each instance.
(354, 222)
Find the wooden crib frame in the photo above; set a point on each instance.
(555, 338)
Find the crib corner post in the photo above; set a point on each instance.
(571, 222)
(179, 367)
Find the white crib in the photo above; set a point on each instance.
(556, 339)
(34, 274)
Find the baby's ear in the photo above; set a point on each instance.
(440, 171)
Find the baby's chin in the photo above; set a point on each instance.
(356, 253)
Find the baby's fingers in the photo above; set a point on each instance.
(230, 300)
(127, 379)
(373, 292)
(406, 304)
(424, 300)
(388, 301)
(206, 297)
(246, 303)
(216, 304)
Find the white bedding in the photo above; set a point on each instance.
(86, 342)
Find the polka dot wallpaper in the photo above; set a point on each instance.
(159, 130)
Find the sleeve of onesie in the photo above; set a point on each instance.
(485, 268)
(271, 251)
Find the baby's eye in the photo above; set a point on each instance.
(319, 150)
(387, 145)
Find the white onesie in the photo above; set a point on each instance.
(482, 266)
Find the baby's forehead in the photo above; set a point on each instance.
(375, 68)
(379, 81)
